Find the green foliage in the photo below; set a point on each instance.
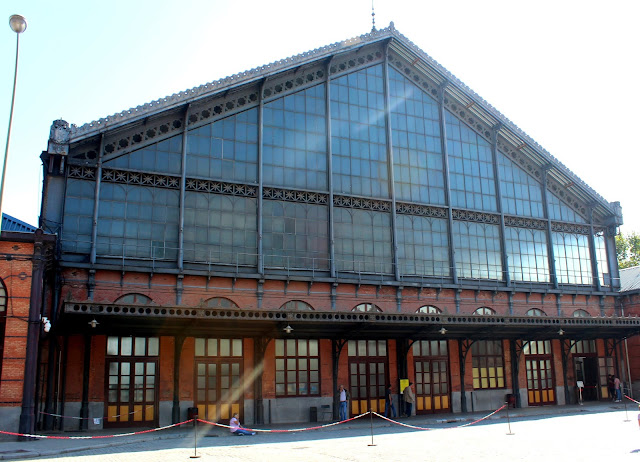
(628, 249)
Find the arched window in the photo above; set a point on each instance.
(536, 312)
(134, 299)
(484, 311)
(581, 314)
(220, 302)
(296, 305)
(429, 309)
(3, 320)
(367, 307)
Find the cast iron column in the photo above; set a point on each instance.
(84, 409)
(177, 352)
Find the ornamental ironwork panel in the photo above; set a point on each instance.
(420, 210)
(87, 173)
(529, 223)
(361, 203)
(479, 217)
(358, 60)
(288, 195)
(570, 228)
(137, 178)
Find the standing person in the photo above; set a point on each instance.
(616, 384)
(611, 386)
(389, 402)
(409, 399)
(236, 429)
(344, 398)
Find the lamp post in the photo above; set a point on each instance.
(18, 24)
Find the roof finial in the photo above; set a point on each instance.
(373, 18)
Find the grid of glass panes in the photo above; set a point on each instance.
(601, 258)
(488, 364)
(417, 151)
(215, 347)
(362, 241)
(527, 254)
(367, 307)
(161, 157)
(477, 250)
(470, 167)
(423, 246)
(573, 261)
(367, 348)
(535, 312)
(484, 311)
(521, 193)
(138, 222)
(220, 229)
(136, 299)
(226, 149)
(537, 347)
(297, 367)
(605, 368)
(558, 210)
(295, 141)
(296, 235)
(581, 314)
(429, 309)
(78, 216)
(583, 346)
(358, 134)
(430, 348)
(132, 346)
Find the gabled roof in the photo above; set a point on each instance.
(630, 279)
(467, 100)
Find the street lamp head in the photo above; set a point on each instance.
(18, 23)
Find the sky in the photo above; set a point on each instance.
(566, 72)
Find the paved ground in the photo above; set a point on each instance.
(593, 432)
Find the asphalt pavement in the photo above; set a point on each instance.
(11, 448)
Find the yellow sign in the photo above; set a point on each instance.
(404, 383)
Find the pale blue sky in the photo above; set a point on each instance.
(566, 72)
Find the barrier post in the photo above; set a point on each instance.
(195, 440)
(625, 409)
(508, 420)
(371, 424)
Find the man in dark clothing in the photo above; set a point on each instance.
(388, 399)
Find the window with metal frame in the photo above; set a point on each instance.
(134, 299)
(297, 367)
(484, 311)
(296, 305)
(536, 312)
(221, 302)
(488, 364)
(367, 307)
(429, 309)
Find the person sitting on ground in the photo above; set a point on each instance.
(236, 429)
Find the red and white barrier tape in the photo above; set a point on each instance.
(292, 430)
(415, 427)
(91, 418)
(631, 399)
(95, 437)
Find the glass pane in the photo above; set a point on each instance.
(153, 346)
(302, 348)
(151, 368)
(279, 347)
(291, 347)
(212, 347)
(140, 346)
(139, 368)
(313, 348)
(125, 346)
(199, 347)
(237, 347)
(112, 346)
(225, 347)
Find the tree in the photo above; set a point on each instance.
(628, 249)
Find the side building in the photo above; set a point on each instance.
(353, 215)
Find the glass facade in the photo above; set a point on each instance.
(139, 208)
(295, 141)
(527, 254)
(477, 250)
(226, 150)
(573, 261)
(423, 246)
(521, 193)
(295, 235)
(417, 151)
(358, 134)
(470, 168)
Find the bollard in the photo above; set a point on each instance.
(625, 410)
(508, 420)
(371, 423)
(195, 440)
